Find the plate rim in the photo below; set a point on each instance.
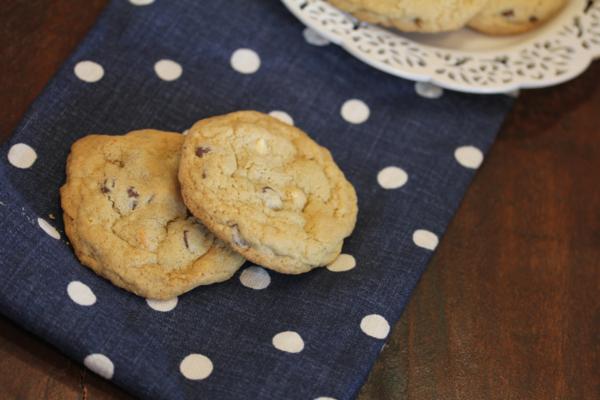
(581, 57)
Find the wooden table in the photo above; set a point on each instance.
(508, 308)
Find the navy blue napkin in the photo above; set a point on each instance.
(410, 151)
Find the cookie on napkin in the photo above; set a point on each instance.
(268, 190)
(126, 220)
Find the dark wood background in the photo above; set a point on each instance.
(509, 307)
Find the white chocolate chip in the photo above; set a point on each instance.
(271, 198)
(229, 164)
(237, 238)
(261, 146)
(298, 199)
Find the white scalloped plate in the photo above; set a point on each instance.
(465, 60)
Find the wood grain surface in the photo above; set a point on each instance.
(509, 307)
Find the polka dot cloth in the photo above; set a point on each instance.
(196, 367)
(49, 229)
(344, 262)
(245, 61)
(282, 116)
(392, 177)
(355, 111)
(314, 38)
(288, 341)
(428, 90)
(141, 2)
(409, 149)
(81, 293)
(21, 155)
(256, 278)
(425, 239)
(375, 325)
(168, 70)
(469, 156)
(162, 305)
(89, 71)
(100, 364)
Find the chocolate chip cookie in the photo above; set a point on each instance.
(504, 17)
(414, 15)
(126, 220)
(268, 190)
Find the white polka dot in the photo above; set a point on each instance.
(81, 293)
(245, 61)
(324, 398)
(141, 2)
(162, 305)
(21, 155)
(288, 341)
(425, 239)
(355, 111)
(312, 37)
(89, 71)
(375, 326)
(282, 116)
(196, 367)
(255, 278)
(49, 229)
(392, 178)
(469, 156)
(344, 262)
(168, 70)
(100, 364)
(428, 90)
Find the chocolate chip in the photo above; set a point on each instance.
(533, 19)
(118, 163)
(132, 193)
(104, 189)
(508, 13)
(201, 151)
(185, 239)
(203, 174)
(418, 22)
(134, 205)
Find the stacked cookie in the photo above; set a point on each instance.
(494, 17)
(159, 213)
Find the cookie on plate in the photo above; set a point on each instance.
(414, 15)
(268, 190)
(505, 17)
(126, 220)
